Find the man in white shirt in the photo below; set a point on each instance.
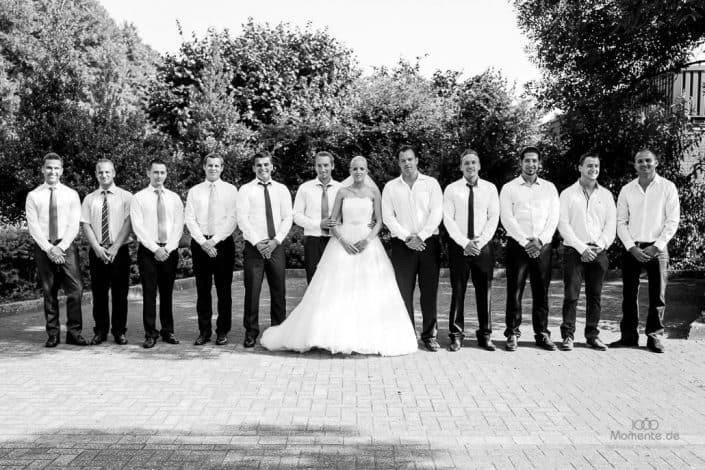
(265, 218)
(412, 210)
(105, 218)
(470, 215)
(53, 212)
(648, 213)
(211, 218)
(157, 216)
(588, 221)
(529, 209)
(312, 208)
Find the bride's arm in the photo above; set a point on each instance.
(377, 199)
(337, 215)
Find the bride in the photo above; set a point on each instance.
(352, 303)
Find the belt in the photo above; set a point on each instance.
(207, 237)
(56, 242)
(643, 244)
(162, 245)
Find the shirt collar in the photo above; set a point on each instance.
(110, 189)
(466, 182)
(47, 186)
(522, 182)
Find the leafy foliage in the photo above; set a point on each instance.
(599, 59)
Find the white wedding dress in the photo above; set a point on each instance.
(353, 302)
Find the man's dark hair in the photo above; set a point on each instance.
(529, 149)
(52, 156)
(588, 155)
(262, 154)
(155, 161)
(407, 148)
(646, 150)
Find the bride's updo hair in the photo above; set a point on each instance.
(358, 158)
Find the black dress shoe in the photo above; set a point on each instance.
(201, 340)
(121, 339)
(625, 343)
(249, 342)
(654, 344)
(149, 343)
(221, 340)
(52, 341)
(98, 338)
(431, 344)
(455, 345)
(77, 340)
(546, 344)
(488, 345)
(512, 343)
(171, 339)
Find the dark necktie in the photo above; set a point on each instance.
(105, 221)
(325, 212)
(161, 217)
(471, 213)
(53, 217)
(271, 233)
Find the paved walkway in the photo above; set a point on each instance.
(226, 407)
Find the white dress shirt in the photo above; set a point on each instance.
(68, 214)
(252, 215)
(143, 214)
(485, 211)
(417, 209)
(529, 210)
(587, 219)
(224, 211)
(118, 211)
(648, 216)
(307, 205)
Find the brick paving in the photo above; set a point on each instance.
(226, 407)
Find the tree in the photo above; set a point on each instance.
(599, 59)
(71, 81)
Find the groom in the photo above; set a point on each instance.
(412, 209)
(312, 208)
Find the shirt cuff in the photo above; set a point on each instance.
(660, 244)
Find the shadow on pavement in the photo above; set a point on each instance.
(246, 446)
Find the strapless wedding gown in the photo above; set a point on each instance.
(353, 303)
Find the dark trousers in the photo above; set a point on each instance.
(255, 267)
(115, 278)
(54, 276)
(313, 250)
(481, 269)
(157, 275)
(657, 273)
(206, 270)
(574, 271)
(538, 270)
(426, 264)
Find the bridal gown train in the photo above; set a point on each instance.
(353, 302)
